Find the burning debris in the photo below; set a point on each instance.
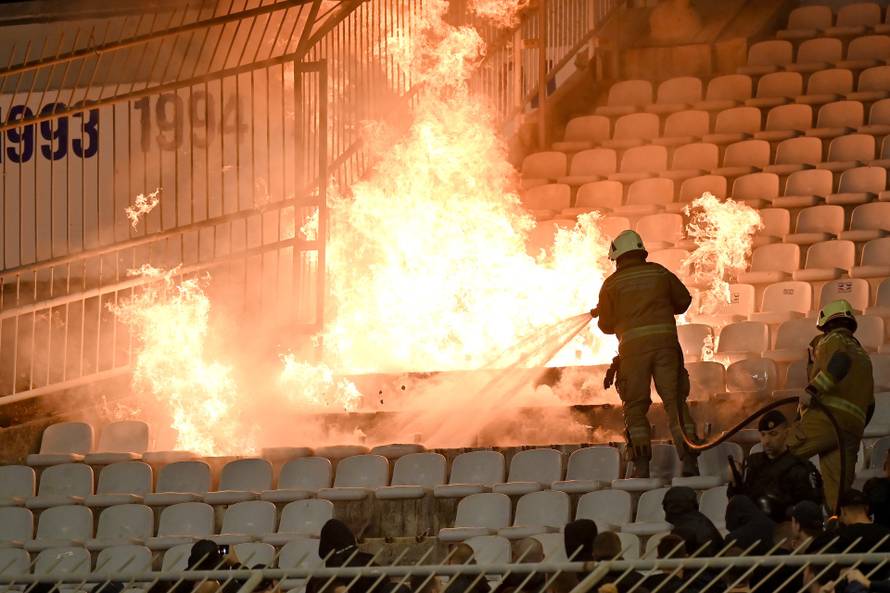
(142, 205)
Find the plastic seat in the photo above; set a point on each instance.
(713, 503)
(713, 467)
(641, 162)
(472, 473)
(242, 479)
(246, 521)
(16, 527)
(123, 524)
(817, 223)
(878, 119)
(793, 338)
(880, 364)
(338, 452)
(478, 514)
(584, 132)
(855, 291)
(541, 239)
(846, 152)
(752, 376)
(739, 306)
(14, 561)
(827, 260)
(881, 306)
(601, 196)
(694, 187)
(64, 442)
(684, 127)
(591, 165)
(796, 375)
(725, 91)
(825, 86)
(805, 188)
(646, 196)
(547, 200)
(589, 469)
(776, 88)
(772, 263)
(539, 512)
(633, 129)
(745, 338)
(875, 260)
(817, 54)
(693, 337)
(706, 378)
(176, 558)
(17, 484)
(869, 221)
(63, 561)
(357, 477)
(609, 509)
(855, 19)
(866, 52)
(744, 157)
(884, 160)
(626, 96)
(767, 56)
(837, 119)
(301, 518)
(252, 554)
(68, 483)
(870, 332)
(650, 514)
(857, 186)
(66, 525)
(660, 231)
(691, 160)
(612, 226)
(663, 467)
(796, 154)
(299, 553)
(414, 476)
(806, 21)
(873, 84)
(125, 440)
(756, 189)
(124, 560)
(394, 451)
(490, 549)
(299, 479)
(549, 165)
(676, 94)
(786, 121)
(776, 222)
(734, 125)
(125, 482)
(672, 259)
(530, 471)
(875, 468)
(182, 523)
(182, 481)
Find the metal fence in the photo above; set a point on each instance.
(237, 112)
(728, 570)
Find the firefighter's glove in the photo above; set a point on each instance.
(595, 312)
(611, 373)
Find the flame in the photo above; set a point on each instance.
(313, 387)
(143, 204)
(724, 234)
(501, 13)
(170, 322)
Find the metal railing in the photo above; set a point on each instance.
(68, 569)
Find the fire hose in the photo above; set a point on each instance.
(691, 444)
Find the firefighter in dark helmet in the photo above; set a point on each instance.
(638, 303)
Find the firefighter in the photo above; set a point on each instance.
(638, 303)
(840, 379)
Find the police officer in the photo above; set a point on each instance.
(840, 376)
(638, 303)
(775, 478)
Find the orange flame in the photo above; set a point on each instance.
(143, 204)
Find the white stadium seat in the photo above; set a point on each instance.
(125, 440)
(63, 443)
(301, 518)
(478, 514)
(472, 473)
(357, 477)
(242, 479)
(182, 481)
(300, 478)
(532, 470)
(414, 476)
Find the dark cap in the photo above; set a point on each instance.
(771, 420)
(808, 514)
(853, 498)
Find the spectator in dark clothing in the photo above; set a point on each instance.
(607, 546)
(681, 510)
(525, 551)
(873, 586)
(806, 523)
(337, 547)
(748, 526)
(669, 581)
(858, 532)
(578, 538)
(877, 491)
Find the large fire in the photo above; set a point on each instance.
(428, 270)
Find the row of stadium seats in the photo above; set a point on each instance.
(832, 119)
(852, 19)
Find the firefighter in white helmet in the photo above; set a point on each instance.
(638, 303)
(840, 378)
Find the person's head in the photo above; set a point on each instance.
(678, 501)
(335, 537)
(854, 508)
(528, 550)
(626, 246)
(672, 546)
(836, 315)
(207, 555)
(607, 546)
(461, 554)
(773, 428)
(806, 520)
(578, 537)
